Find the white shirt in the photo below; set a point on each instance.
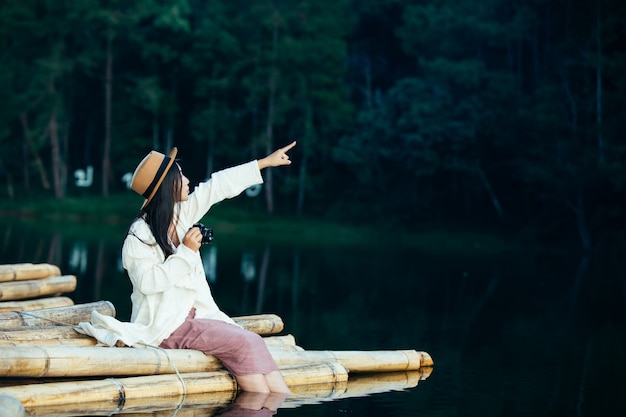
(164, 291)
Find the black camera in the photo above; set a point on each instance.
(207, 234)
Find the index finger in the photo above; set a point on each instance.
(291, 145)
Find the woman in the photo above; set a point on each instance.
(172, 305)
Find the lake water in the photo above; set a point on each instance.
(511, 334)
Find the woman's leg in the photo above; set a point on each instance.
(242, 352)
(271, 382)
(253, 383)
(276, 383)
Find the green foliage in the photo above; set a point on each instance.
(410, 111)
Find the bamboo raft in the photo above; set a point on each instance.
(49, 368)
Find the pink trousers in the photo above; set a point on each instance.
(241, 351)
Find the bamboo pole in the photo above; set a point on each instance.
(209, 403)
(77, 361)
(119, 393)
(286, 342)
(143, 407)
(86, 342)
(25, 271)
(11, 406)
(72, 361)
(309, 374)
(37, 333)
(123, 393)
(19, 290)
(36, 304)
(69, 316)
(259, 323)
(192, 405)
(360, 361)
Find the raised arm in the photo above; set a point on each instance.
(277, 158)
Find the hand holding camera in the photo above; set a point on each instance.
(207, 234)
(197, 236)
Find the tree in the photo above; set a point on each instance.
(430, 123)
(292, 72)
(40, 66)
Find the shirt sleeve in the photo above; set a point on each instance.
(222, 185)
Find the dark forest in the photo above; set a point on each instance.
(498, 114)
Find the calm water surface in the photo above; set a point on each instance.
(512, 334)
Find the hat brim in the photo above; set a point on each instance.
(172, 156)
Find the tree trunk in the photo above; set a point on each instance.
(53, 130)
(25, 164)
(211, 127)
(169, 133)
(269, 127)
(308, 134)
(169, 137)
(64, 137)
(10, 188)
(209, 162)
(38, 162)
(155, 130)
(106, 154)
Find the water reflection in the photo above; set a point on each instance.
(520, 333)
(253, 404)
(248, 266)
(78, 257)
(209, 262)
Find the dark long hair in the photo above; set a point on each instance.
(159, 212)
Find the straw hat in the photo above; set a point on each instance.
(150, 172)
